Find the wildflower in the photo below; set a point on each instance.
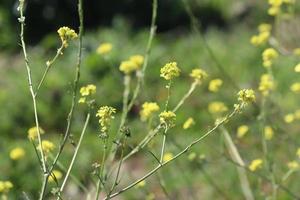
(297, 68)
(188, 123)
(17, 153)
(141, 184)
(242, 130)
(148, 109)
(167, 157)
(217, 107)
(88, 90)
(104, 48)
(198, 74)
(105, 114)
(266, 84)
(47, 146)
(214, 85)
(128, 66)
(246, 96)
(137, 59)
(33, 133)
(5, 186)
(298, 152)
(274, 10)
(55, 175)
(255, 164)
(295, 87)
(268, 56)
(264, 27)
(293, 165)
(170, 71)
(66, 34)
(289, 118)
(168, 118)
(192, 156)
(268, 132)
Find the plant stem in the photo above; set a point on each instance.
(102, 167)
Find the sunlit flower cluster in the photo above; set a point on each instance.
(17, 153)
(255, 164)
(214, 85)
(266, 84)
(33, 133)
(246, 96)
(188, 123)
(86, 92)
(148, 109)
(242, 131)
(104, 48)
(47, 146)
(217, 107)
(105, 115)
(268, 56)
(170, 71)
(167, 118)
(198, 74)
(263, 36)
(66, 34)
(5, 186)
(134, 63)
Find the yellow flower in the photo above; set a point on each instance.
(32, 132)
(242, 130)
(17, 153)
(141, 184)
(264, 27)
(246, 96)
(167, 157)
(198, 74)
(266, 84)
(275, 2)
(66, 34)
(47, 146)
(128, 66)
(105, 114)
(293, 165)
(297, 68)
(268, 56)
(217, 107)
(274, 10)
(170, 71)
(167, 117)
(5, 186)
(88, 90)
(289, 118)
(82, 100)
(296, 51)
(148, 108)
(214, 85)
(104, 48)
(268, 132)
(188, 123)
(259, 39)
(255, 164)
(298, 152)
(137, 59)
(55, 175)
(295, 87)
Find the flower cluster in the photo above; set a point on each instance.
(291, 117)
(105, 115)
(66, 34)
(268, 56)
(5, 186)
(263, 36)
(246, 96)
(167, 118)
(170, 71)
(17, 153)
(214, 85)
(188, 123)
(242, 131)
(266, 84)
(148, 109)
(33, 132)
(134, 63)
(217, 107)
(47, 146)
(275, 6)
(55, 175)
(198, 74)
(255, 164)
(86, 92)
(268, 132)
(104, 48)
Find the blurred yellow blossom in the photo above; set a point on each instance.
(55, 175)
(32, 132)
(167, 157)
(217, 107)
(128, 66)
(297, 68)
(296, 51)
(148, 109)
(188, 123)
(268, 132)
(242, 130)
(255, 164)
(167, 117)
(141, 184)
(293, 165)
(274, 10)
(170, 71)
(137, 59)
(104, 48)
(17, 153)
(298, 152)
(295, 87)
(289, 118)
(198, 74)
(268, 56)
(47, 146)
(5, 186)
(266, 84)
(86, 91)
(215, 84)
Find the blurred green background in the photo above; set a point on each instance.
(227, 26)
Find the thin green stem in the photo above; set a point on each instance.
(102, 167)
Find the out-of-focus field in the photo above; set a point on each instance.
(208, 175)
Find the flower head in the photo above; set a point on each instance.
(105, 115)
(137, 59)
(293, 165)
(168, 118)
(17, 153)
(47, 146)
(86, 91)
(170, 71)
(128, 66)
(217, 107)
(289, 118)
(104, 48)
(268, 132)
(33, 133)
(214, 85)
(266, 84)
(5, 186)
(55, 175)
(148, 109)
(198, 74)
(242, 130)
(268, 56)
(66, 34)
(255, 164)
(246, 96)
(188, 123)
(167, 157)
